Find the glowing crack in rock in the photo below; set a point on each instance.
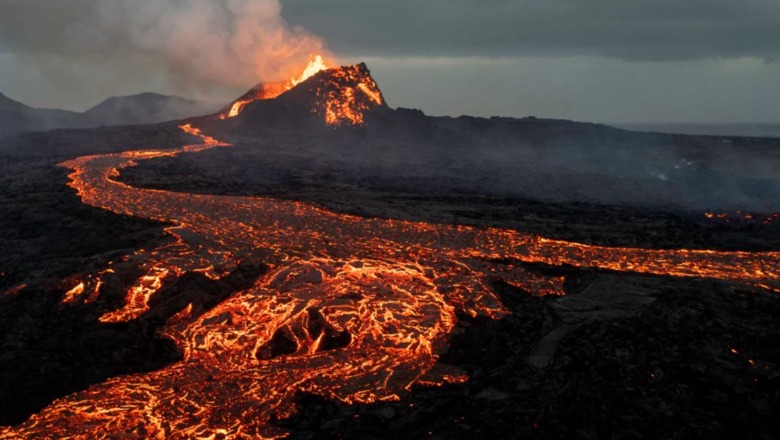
(344, 96)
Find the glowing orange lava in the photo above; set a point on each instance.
(340, 103)
(345, 95)
(352, 309)
(316, 64)
(743, 217)
(274, 89)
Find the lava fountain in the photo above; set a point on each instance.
(271, 90)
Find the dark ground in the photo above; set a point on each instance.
(620, 357)
(251, 169)
(48, 235)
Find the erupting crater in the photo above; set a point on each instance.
(341, 95)
(353, 309)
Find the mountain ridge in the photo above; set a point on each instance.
(147, 108)
(9, 104)
(143, 108)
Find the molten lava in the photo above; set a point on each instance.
(274, 89)
(315, 65)
(743, 218)
(352, 309)
(344, 104)
(343, 95)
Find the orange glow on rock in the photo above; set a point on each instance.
(343, 98)
(342, 104)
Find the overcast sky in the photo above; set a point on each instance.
(596, 60)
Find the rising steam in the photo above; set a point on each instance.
(198, 44)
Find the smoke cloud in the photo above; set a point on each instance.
(194, 44)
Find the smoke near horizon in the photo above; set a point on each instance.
(191, 47)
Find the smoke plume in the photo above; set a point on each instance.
(192, 44)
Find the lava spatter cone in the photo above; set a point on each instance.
(342, 96)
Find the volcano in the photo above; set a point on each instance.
(340, 118)
(338, 97)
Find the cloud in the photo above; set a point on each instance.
(648, 30)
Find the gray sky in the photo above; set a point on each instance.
(597, 60)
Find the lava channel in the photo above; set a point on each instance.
(352, 309)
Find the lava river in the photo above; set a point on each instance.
(353, 309)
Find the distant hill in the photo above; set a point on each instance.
(145, 108)
(16, 117)
(8, 104)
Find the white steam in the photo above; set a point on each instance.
(230, 41)
(195, 45)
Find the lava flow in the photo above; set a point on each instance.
(352, 309)
(743, 217)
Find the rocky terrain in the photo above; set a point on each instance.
(545, 160)
(620, 356)
(575, 181)
(49, 235)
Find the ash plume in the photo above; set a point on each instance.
(192, 44)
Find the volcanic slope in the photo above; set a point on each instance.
(405, 151)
